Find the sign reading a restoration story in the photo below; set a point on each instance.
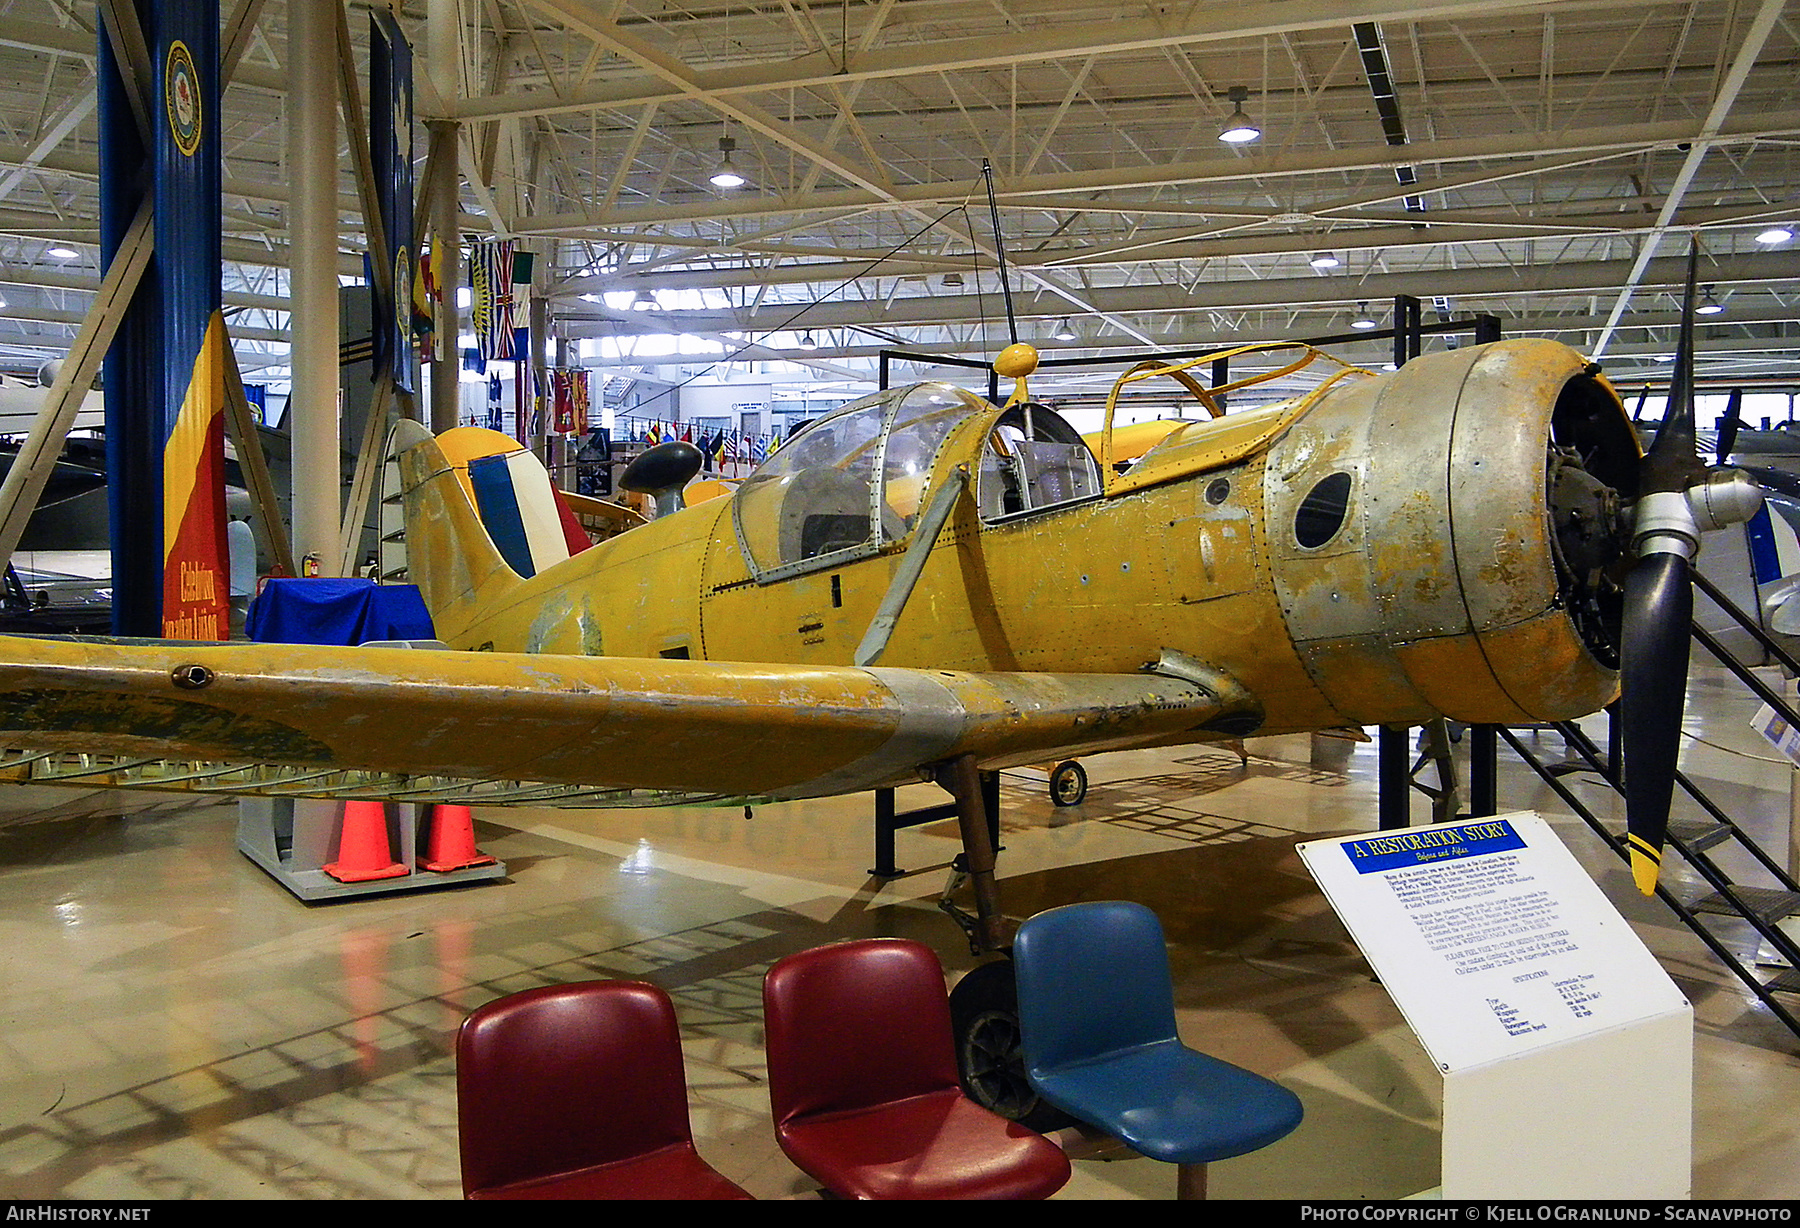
(1489, 936)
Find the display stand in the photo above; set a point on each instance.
(1566, 1050)
(293, 838)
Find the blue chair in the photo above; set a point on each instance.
(1097, 1017)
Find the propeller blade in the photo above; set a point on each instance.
(1653, 664)
(1673, 462)
(1659, 612)
(1729, 425)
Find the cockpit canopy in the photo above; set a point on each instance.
(856, 481)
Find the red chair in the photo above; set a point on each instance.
(578, 1091)
(862, 1080)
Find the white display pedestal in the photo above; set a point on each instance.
(1566, 1050)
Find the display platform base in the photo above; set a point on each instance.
(293, 839)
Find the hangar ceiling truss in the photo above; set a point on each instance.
(1525, 158)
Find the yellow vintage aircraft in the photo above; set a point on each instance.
(923, 585)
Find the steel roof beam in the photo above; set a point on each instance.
(1203, 23)
(1748, 50)
(1612, 139)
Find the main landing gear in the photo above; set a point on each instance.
(984, 1004)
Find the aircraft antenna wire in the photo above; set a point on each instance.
(806, 307)
(1012, 324)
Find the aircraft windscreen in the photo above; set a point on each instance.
(849, 483)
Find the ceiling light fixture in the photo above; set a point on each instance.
(63, 253)
(1709, 306)
(1775, 234)
(1238, 129)
(1363, 318)
(1323, 260)
(807, 342)
(1063, 331)
(727, 175)
(953, 281)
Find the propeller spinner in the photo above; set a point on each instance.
(1679, 497)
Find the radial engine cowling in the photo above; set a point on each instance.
(1444, 539)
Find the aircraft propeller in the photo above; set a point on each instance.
(1678, 497)
(1729, 426)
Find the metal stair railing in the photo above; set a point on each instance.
(1697, 916)
(1694, 841)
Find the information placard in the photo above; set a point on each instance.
(1781, 735)
(1490, 937)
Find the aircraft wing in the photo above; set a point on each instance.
(696, 728)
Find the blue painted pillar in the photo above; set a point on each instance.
(152, 363)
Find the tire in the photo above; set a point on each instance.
(1068, 783)
(984, 1014)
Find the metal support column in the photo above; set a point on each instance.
(133, 412)
(1393, 779)
(443, 20)
(446, 254)
(313, 286)
(1408, 324)
(538, 387)
(1484, 748)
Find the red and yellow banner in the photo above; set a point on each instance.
(570, 396)
(195, 568)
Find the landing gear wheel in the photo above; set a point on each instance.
(1068, 783)
(984, 1014)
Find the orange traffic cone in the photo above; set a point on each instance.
(453, 841)
(363, 850)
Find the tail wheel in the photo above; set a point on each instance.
(1068, 783)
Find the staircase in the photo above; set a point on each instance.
(1739, 911)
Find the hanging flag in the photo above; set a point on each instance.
(491, 286)
(562, 400)
(427, 293)
(522, 265)
(195, 598)
(494, 390)
(194, 585)
(578, 398)
(390, 152)
(653, 434)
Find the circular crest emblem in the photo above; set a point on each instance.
(181, 98)
(403, 293)
(402, 122)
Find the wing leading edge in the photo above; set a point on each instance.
(693, 727)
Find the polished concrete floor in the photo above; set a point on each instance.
(173, 1024)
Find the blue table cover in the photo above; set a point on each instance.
(316, 611)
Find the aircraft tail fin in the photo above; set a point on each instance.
(451, 556)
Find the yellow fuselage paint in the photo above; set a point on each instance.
(1397, 619)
